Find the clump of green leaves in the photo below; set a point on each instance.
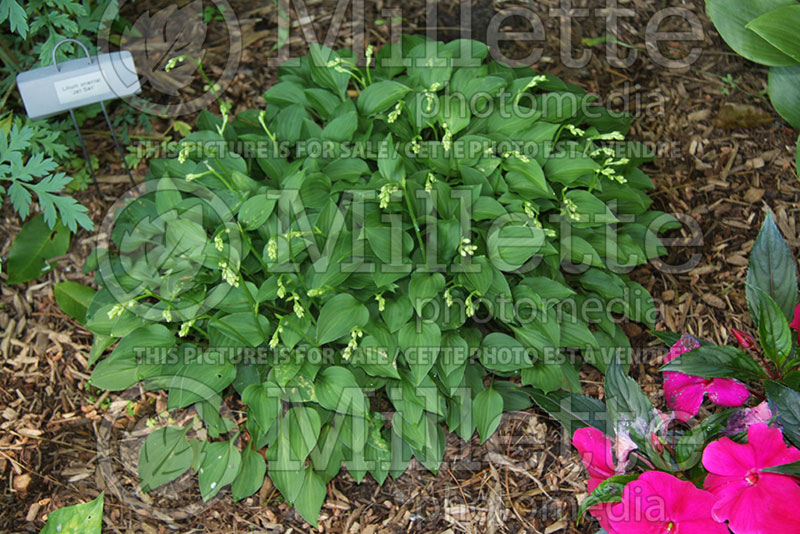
(366, 261)
(29, 171)
(764, 32)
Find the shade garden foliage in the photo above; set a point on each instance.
(366, 262)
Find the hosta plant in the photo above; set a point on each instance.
(393, 246)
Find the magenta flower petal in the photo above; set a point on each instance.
(595, 451)
(684, 394)
(727, 392)
(751, 500)
(597, 456)
(796, 321)
(658, 503)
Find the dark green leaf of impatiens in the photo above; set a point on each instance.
(772, 269)
(785, 404)
(610, 490)
(711, 361)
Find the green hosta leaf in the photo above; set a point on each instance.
(397, 312)
(773, 330)
(390, 164)
(78, 519)
(73, 299)
(121, 369)
(423, 287)
(219, 468)
(342, 127)
(590, 209)
(785, 404)
(501, 352)
(711, 361)
(566, 167)
(487, 409)
(165, 455)
(339, 316)
(511, 245)
(610, 490)
(255, 211)
(547, 377)
(731, 18)
(380, 96)
(34, 245)
(337, 390)
(303, 427)
(263, 404)
(477, 275)
(772, 269)
(420, 343)
(312, 495)
(251, 475)
(779, 28)
(201, 379)
(784, 93)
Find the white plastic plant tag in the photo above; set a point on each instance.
(53, 89)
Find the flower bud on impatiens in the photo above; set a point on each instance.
(655, 441)
(744, 339)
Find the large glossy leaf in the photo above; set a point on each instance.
(34, 245)
(784, 93)
(785, 404)
(219, 468)
(165, 455)
(251, 475)
(380, 96)
(311, 496)
(779, 28)
(773, 330)
(420, 343)
(338, 316)
(121, 369)
(84, 518)
(711, 361)
(73, 299)
(487, 409)
(573, 410)
(731, 18)
(771, 269)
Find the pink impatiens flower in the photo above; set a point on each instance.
(659, 503)
(684, 393)
(595, 451)
(796, 321)
(751, 500)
